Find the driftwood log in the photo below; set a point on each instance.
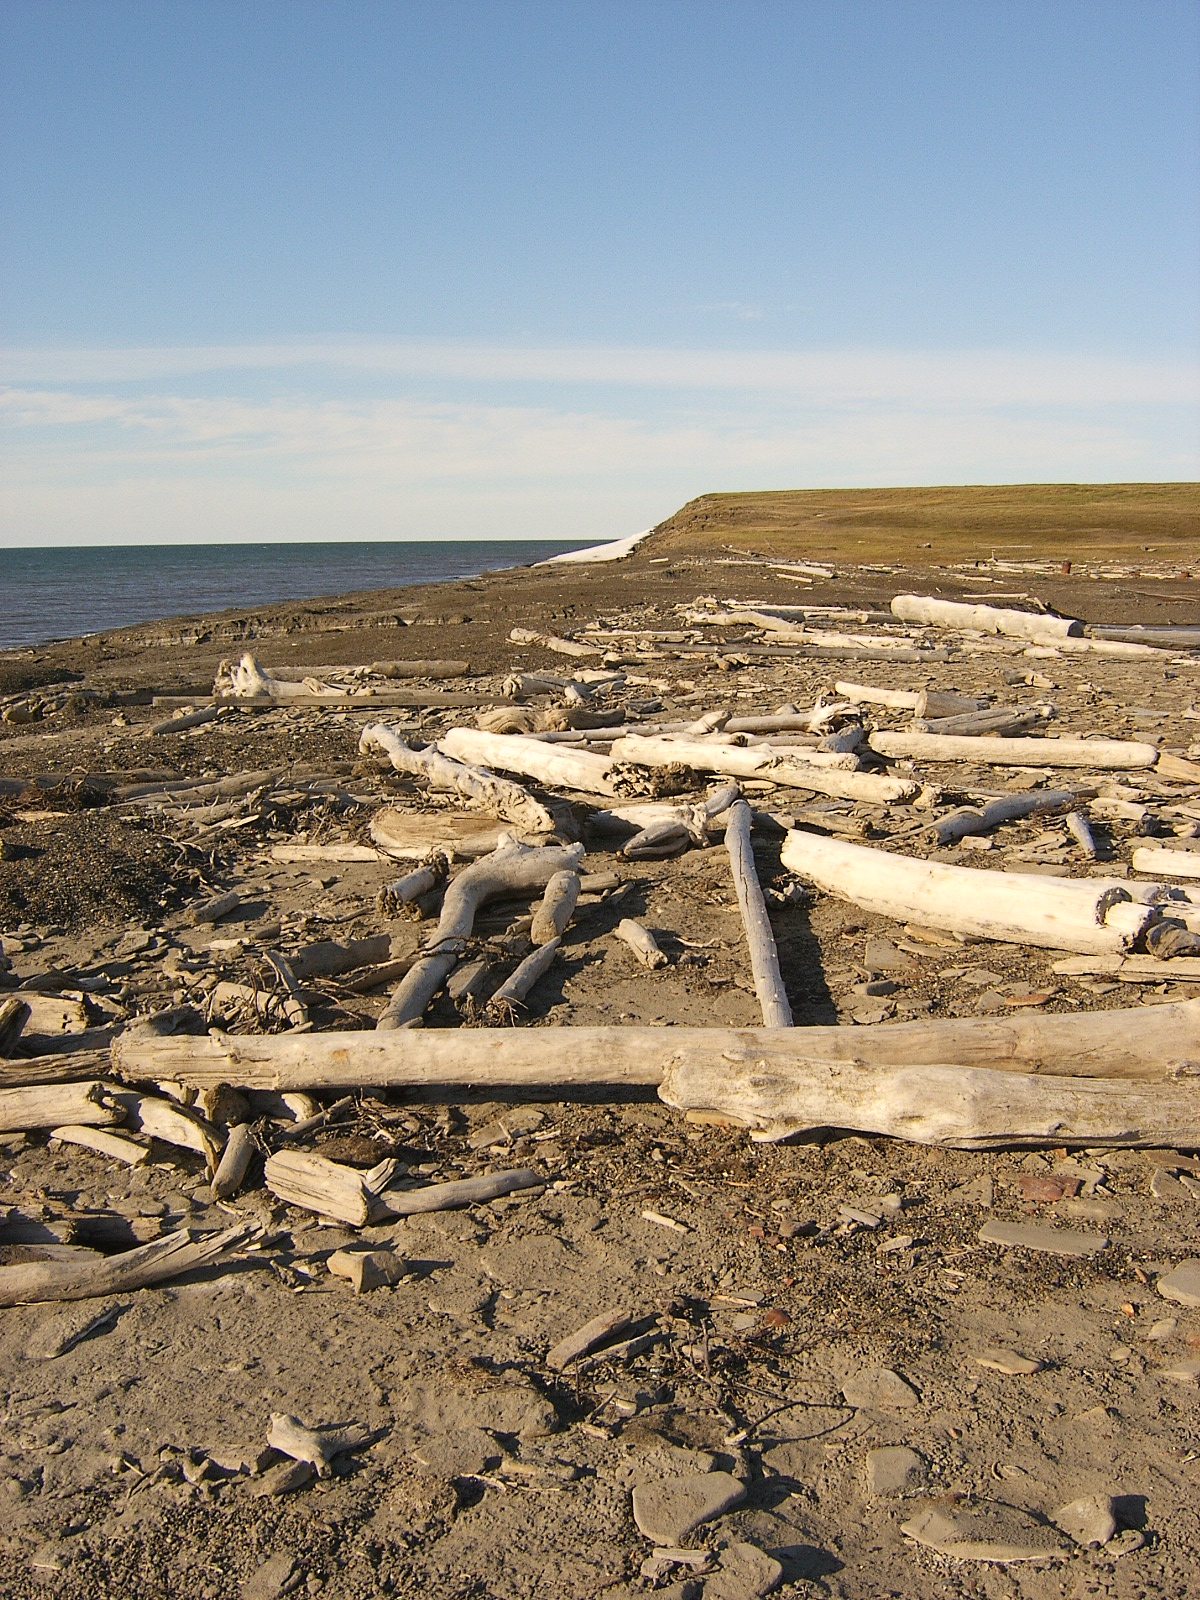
(764, 957)
(1141, 1043)
(1005, 808)
(514, 869)
(422, 880)
(1096, 754)
(164, 1258)
(930, 612)
(557, 907)
(54, 1105)
(642, 942)
(761, 761)
(1090, 916)
(563, 767)
(497, 796)
(921, 702)
(513, 990)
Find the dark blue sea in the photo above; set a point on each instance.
(61, 593)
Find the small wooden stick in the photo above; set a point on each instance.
(642, 942)
(764, 957)
(113, 1145)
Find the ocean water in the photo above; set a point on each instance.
(61, 593)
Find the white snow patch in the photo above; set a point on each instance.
(613, 551)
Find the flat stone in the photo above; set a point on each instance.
(462, 1454)
(880, 1389)
(894, 1469)
(270, 1580)
(1187, 1371)
(1088, 1521)
(883, 956)
(1162, 1330)
(1164, 1185)
(989, 1533)
(745, 1573)
(1010, 1362)
(1039, 1236)
(285, 1478)
(1183, 1284)
(57, 1334)
(667, 1511)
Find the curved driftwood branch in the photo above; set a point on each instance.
(248, 681)
(564, 767)
(930, 612)
(1006, 808)
(1103, 754)
(497, 796)
(761, 761)
(513, 869)
(642, 942)
(764, 957)
(1084, 915)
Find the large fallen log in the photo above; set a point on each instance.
(513, 869)
(1087, 915)
(248, 681)
(566, 768)
(497, 796)
(1142, 1043)
(764, 957)
(1100, 754)
(761, 761)
(164, 1258)
(930, 612)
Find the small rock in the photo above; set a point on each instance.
(1162, 1330)
(1051, 1241)
(1164, 1185)
(745, 1573)
(368, 1269)
(462, 1454)
(977, 1191)
(270, 1580)
(659, 1564)
(880, 1389)
(1009, 1362)
(667, 1511)
(894, 1469)
(989, 1533)
(1047, 1186)
(883, 956)
(284, 1478)
(1088, 1521)
(1125, 1543)
(1183, 1284)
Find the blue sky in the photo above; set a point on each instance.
(463, 270)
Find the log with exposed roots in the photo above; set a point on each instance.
(497, 796)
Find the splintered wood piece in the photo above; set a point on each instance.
(319, 1447)
(557, 907)
(1080, 830)
(168, 1257)
(460, 1192)
(54, 1105)
(304, 1179)
(1085, 915)
(641, 941)
(497, 796)
(14, 1014)
(115, 1146)
(586, 1339)
(1007, 808)
(422, 880)
(1164, 863)
(764, 957)
(161, 1119)
(235, 1161)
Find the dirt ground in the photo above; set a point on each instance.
(768, 1278)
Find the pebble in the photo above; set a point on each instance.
(745, 1573)
(1051, 1241)
(1183, 1284)
(1008, 1361)
(667, 1511)
(270, 1580)
(894, 1469)
(1088, 1521)
(880, 1389)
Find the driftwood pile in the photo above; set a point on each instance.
(509, 805)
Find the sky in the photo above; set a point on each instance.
(461, 270)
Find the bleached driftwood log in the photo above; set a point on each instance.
(235, 1161)
(1142, 1042)
(112, 1146)
(513, 990)
(326, 958)
(642, 942)
(294, 853)
(1167, 863)
(248, 681)
(1096, 754)
(14, 1014)
(162, 1119)
(551, 641)
(460, 835)
(1001, 722)
(461, 1192)
(302, 1178)
(497, 796)
(667, 830)
(930, 612)
(557, 907)
(1131, 969)
(54, 1105)
(318, 1447)
(963, 1108)
(513, 869)
(1005, 808)
(1085, 915)
(419, 669)
(761, 761)
(566, 768)
(922, 702)
(168, 1257)
(422, 880)
(764, 957)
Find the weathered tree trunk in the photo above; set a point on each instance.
(1086, 915)
(557, 907)
(761, 761)
(1006, 808)
(497, 796)
(1167, 863)
(923, 702)
(1095, 754)
(984, 619)
(533, 758)
(764, 957)
(54, 1105)
(1143, 1042)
